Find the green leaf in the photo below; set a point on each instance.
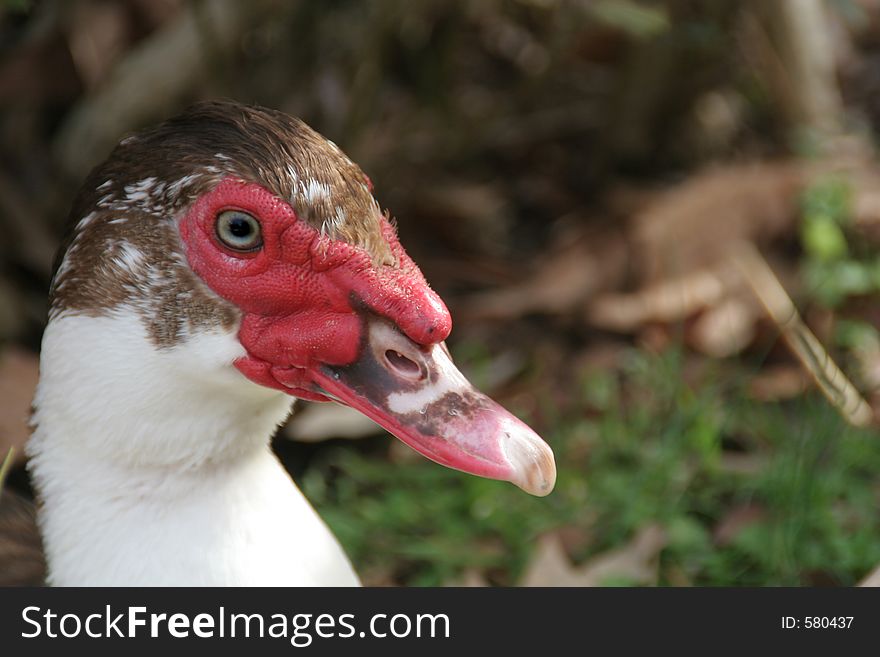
(822, 238)
(637, 19)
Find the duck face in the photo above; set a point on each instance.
(283, 230)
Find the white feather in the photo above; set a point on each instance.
(314, 191)
(154, 465)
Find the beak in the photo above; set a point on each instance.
(417, 394)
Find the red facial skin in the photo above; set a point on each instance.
(315, 324)
(303, 295)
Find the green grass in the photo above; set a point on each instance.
(633, 447)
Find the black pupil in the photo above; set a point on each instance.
(240, 227)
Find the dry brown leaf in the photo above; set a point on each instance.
(734, 521)
(573, 538)
(656, 338)
(636, 562)
(601, 355)
(563, 281)
(868, 368)
(378, 576)
(778, 382)
(866, 205)
(670, 300)
(726, 329)
(550, 565)
(470, 578)
(677, 576)
(19, 371)
(692, 225)
(742, 463)
(314, 422)
(873, 578)
(681, 242)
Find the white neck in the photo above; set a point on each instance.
(153, 466)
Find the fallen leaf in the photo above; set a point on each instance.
(670, 300)
(378, 576)
(734, 521)
(778, 382)
(575, 270)
(692, 225)
(636, 562)
(725, 329)
(864, 183)
(601, 356)
(573, 538)
(742, 464)
(873, 578)
(470, 578)
(677, 576)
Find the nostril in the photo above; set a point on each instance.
(403, 365)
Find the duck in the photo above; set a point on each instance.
(220, 266)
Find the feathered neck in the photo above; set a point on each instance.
(153, 465)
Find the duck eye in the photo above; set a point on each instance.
(239, 230)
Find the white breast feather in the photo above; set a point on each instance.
(154, 465)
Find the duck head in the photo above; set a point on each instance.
(244, 220)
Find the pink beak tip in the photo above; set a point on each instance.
(533, 466)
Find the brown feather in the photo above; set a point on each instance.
(131, 201)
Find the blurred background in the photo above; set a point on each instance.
(623, 202)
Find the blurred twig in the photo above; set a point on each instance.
(6, 466)
(833, 383)
(799, 59)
